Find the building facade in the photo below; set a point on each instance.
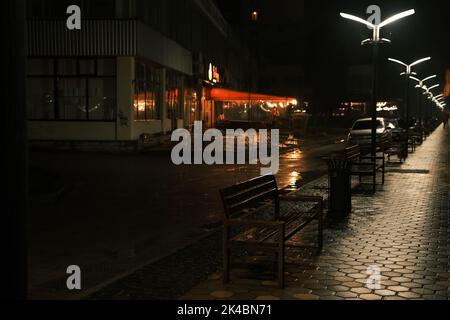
(447, 84)
(136, 67)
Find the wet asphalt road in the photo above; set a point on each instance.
(116, 211)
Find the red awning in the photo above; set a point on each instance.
(230, 95)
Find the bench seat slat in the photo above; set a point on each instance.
(267, 195)
(247, 185)
(253, 191)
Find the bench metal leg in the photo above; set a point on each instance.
(320, 219)
(226, 266)
(226, 255)
(374, 186)
(281, 258)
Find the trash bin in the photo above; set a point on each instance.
(340, 186)
(404, 142)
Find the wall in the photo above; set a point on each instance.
(125, 96)
(71, 131)
(148, 127)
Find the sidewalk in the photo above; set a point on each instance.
(404, 230)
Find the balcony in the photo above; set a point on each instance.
(96, 38)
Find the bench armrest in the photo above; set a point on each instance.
(371, 158)
(302, 198)
(364, 164)
(254, 223)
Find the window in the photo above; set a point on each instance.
(87, 67)
(254, 16)
(67, 67)
(174, 108)
(102, 98)
(146, 93)
(72, 97)
(40, 67)
(366, 125)
(40, 98)
(106, 67)
(71, 89)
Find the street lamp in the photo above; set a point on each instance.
(376, 40)
(420, 84)
(433, 87)
(428, 91)
(408, 73)
(429, 95)
(409, 66)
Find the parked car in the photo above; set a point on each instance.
(361, 132)
(396, 129)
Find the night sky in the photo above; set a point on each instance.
(423, 34)
(329, 44)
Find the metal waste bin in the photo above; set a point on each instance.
(340, 186)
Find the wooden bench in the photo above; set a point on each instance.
(267, 234)
(366, 165)
(398, 148)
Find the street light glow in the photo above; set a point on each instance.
(420, 61)
(433, 87)
(398, 61)
(409, 66)
(412, 73)
(376, 27)
(421, 83)
(397, 17)
(429, 78)
(357, 19)
(382, 24)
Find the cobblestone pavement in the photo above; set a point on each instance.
(108, 224)
(403, 232)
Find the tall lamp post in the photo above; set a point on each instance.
(375, 41)
(428, 91)
(439, 101)
(408, 73)
(420, 84)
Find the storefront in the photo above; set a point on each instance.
(239, 107)
(110, 93)
(208, 111)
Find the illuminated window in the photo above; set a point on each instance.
(174, 108)
(71, 89)
(255, 15)
(146, 93)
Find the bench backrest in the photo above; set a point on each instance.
(353, 153)
(382, 144)
(250, 193)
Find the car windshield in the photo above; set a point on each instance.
(392, 125)
(366, 125)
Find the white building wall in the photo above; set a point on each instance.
(71, 131)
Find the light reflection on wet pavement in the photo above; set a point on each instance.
(132, 207)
